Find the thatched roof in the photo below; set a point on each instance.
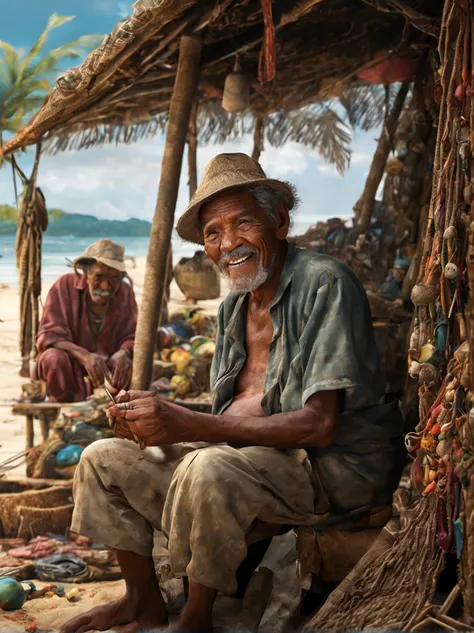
(122, 90)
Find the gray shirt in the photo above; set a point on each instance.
(323, 340)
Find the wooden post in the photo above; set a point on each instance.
(30, 431)
(192, 150)
(257, 139)
(160, 239)
(365, 205)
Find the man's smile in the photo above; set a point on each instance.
(234, 263)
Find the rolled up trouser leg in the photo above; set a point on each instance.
(215, 496)
(119, 493)
(56, 368)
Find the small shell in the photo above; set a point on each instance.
(412, 442)
(414, 370)
(422, 295)
(451, 271)
(446, 414)
(468, 194)
(470, 418)
(450, 232)
(446, 427)
(427, 353)
(450, 395)
(415, 338)
(442, 448)
(428, 373)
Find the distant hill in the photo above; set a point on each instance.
(62, 224)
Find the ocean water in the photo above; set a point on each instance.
(58, 250)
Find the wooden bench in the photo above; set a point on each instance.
(43, 411)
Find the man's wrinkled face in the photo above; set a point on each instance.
(103, 282)
(241, 238)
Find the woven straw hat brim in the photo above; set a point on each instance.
(81, 261)
(189, 226)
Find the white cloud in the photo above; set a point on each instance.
(119, 182)
(359, 158)
(329, 170)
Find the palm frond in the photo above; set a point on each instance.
(365, 106)
(54, 22)
(317, 126)
(25, 79)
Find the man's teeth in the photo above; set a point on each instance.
(239, 262)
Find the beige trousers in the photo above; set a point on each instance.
(207, 502)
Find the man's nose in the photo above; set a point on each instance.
(104, 285)
(229, 240)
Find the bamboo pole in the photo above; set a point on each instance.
(160, 239)
(257, 138)
(365, 205)
(192, 150)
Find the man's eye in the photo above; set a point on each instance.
(243, 223)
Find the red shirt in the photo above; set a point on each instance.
(65, 318)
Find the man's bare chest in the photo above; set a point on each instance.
(258, 336)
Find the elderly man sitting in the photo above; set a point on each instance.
(300, 424)
(88, 326)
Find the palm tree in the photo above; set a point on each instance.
(25, 78)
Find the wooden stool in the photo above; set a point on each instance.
(39, 410)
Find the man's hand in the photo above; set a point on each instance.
(94, 365)
(151, 419)
(121, 366)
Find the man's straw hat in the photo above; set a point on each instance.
(104, 251)
(225, 172)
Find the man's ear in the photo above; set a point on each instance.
(283, 220)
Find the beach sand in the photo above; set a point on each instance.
(12, 428)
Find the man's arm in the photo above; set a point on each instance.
(314, 425)
(159, 422)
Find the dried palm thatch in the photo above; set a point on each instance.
(391, 584)
(32, 221)
(312, 49)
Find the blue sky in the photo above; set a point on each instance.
(122, 182)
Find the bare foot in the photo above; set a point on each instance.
(124, 611)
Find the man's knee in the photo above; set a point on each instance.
(53, 358)
(95, 457)
(210, 465)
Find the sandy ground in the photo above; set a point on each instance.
(12, 428)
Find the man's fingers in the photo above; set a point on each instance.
(139, 395)
(123, 396)
(124, 411)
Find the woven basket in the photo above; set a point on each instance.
(38, 521)
(49, 498)
(198, 278)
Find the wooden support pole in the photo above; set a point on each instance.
(160, 239)
(257, 138)
(365, 205)
(192, 150)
